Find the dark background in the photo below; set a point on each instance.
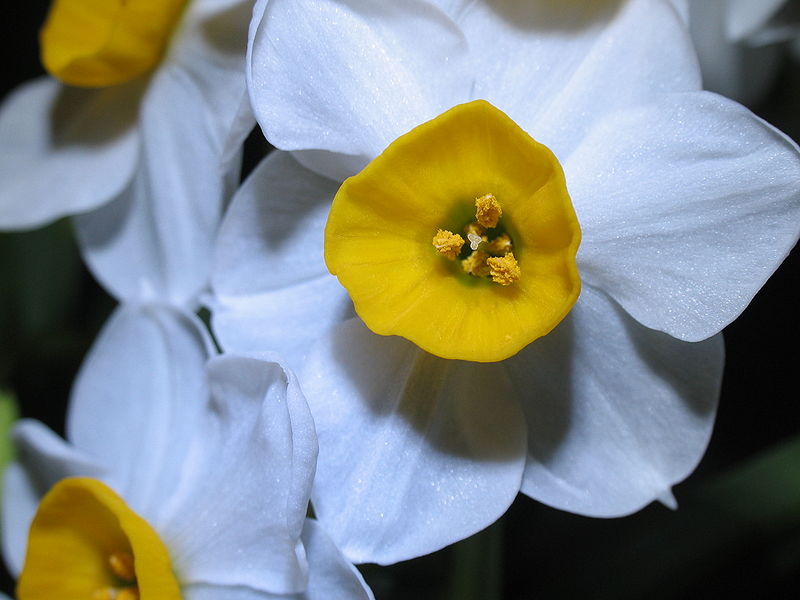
(737, 532)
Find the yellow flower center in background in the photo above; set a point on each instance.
(85, 543)
(462, 279)
(98, 43)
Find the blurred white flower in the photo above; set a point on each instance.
(146, 164)
(738, 43)
(185, 476)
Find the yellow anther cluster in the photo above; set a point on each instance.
(475, 264)
(488, 257)
(448, 243)
(488, 211)
(504, 269)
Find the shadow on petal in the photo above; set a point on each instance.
(678, 371)
(555, 15)
(542, 374)
(226, 30)
(460, 408)
(83, 117)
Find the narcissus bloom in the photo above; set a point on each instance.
(145, 156)
(186, 478)
(685, 201)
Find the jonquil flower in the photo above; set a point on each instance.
(147, 156)
(684, 203)
(186, 478)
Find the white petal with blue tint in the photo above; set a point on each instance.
(617, 413)
(272, 290)
(138, 397)
(687, 206)
(64, 150)
(416, 452)
(350, 77)
(248, 482)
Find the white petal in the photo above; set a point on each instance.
(227, 592)
(44, 459)
(736, 70)
(64, 150)
(744, 17)
(558, 67)
(687, 207)
(416, 452)
(209, 48)
(616, 413)
(331, 575)
(137, 399)
(155, 241)
(237, 516)
(272, 288)
(351, 77)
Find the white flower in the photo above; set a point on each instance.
(737, 44)
(143, 163)
(217, 456)
(687, 203)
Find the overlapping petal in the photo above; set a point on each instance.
(331, 576)
(556, 68)
(272, 288)
(616, 413)
(349, 77)
(154, 241)
(685, 248)
(44, 459)
(138, 398)
(64, 151)
(407, 439)
(248, 481)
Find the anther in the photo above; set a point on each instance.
(474, 228)
(475, 264)
(500, 245)
(487, 210)
(129, 593)
(448, 243)
(122, 564)
(108, 593)
(504, 269)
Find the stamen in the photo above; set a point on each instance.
(122, 564)
(504, 269)
(448, 243)
(500, 245)
(488, 211)
(105, 594)
(475, 264)
(129, 593)
(474, 228)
